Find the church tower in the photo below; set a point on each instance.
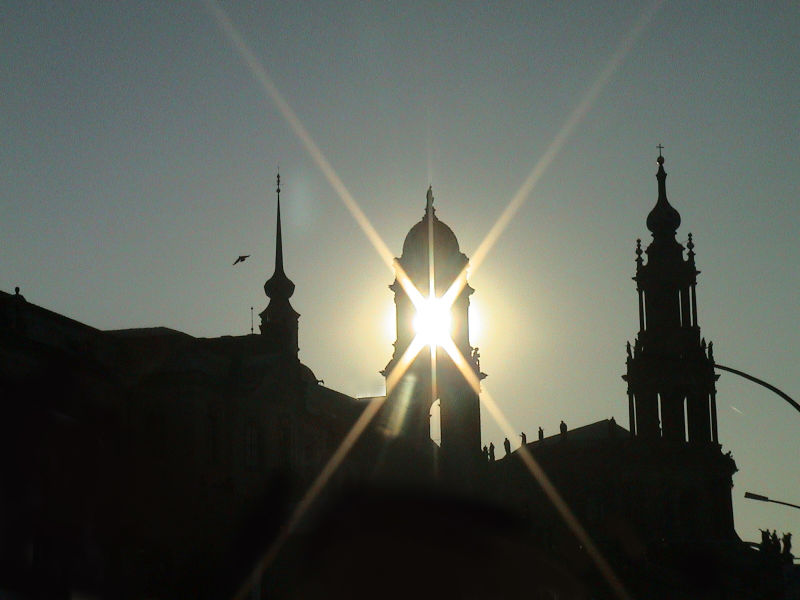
(422, 370)
(670, 370)
(279, 319)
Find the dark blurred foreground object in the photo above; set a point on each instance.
(400, 544)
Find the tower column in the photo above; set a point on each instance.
(631, 414)
(713, 412)
(699, 421)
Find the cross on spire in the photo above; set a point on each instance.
(660, 148)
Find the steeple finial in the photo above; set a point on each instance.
(429, 204)
(663, 220)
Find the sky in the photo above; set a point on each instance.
(140, 146)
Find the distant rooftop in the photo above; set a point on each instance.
(139, 332)
(600, 430)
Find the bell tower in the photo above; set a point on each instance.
(432, 350)
(670, 369)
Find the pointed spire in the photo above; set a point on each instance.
(279, 319)
(663, 220)
(278, 237)
(279, 286)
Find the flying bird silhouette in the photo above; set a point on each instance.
(241, 259)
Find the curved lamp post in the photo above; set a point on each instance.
(752, 496)
(770, 387)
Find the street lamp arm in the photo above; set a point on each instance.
(770, 387)
(785, 503)
(752, 496)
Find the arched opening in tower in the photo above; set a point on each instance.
(436, 423)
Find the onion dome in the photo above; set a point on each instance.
(279, 286)
(663, 220)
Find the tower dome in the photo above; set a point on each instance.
(416, 244)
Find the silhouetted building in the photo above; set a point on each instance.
(431, 267)
(150, 463)
(657, 498)
(670, 375)
(147, 462)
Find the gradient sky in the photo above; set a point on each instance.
(139, 152)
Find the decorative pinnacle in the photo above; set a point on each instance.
(639, 253)
(690, 247)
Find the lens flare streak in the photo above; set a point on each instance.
(541, 477)
(416, 297)
(558, 142)
(400, 404)
(330, 468)
(516, 202)
(402, 365)
(268, 86)
(311, 494)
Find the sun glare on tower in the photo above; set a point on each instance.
(432, 321)
(475, 324)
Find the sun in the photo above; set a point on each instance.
(432, 322)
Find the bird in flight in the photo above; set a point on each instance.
(241, 259)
